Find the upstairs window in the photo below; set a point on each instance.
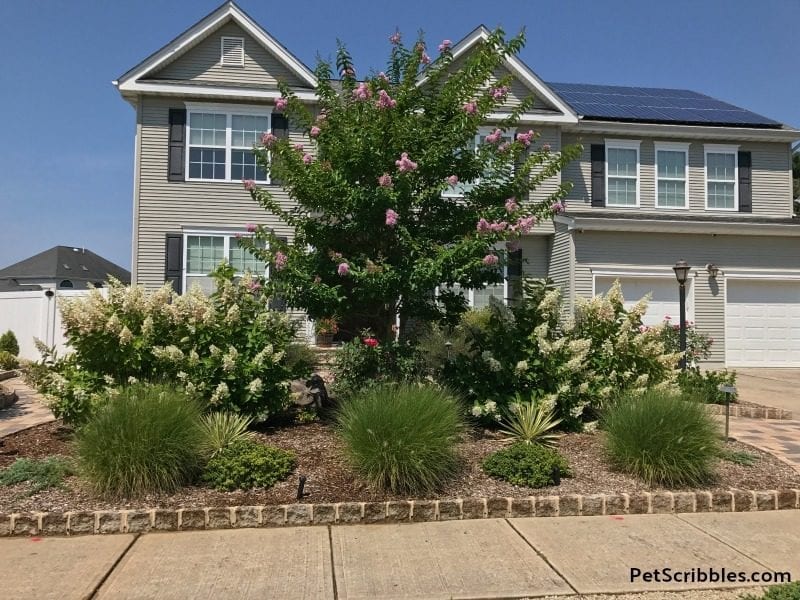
(672, 175)
(622, 173)
(465, 186)
(721, 177)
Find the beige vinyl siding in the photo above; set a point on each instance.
(535, 251)
(607, 251)
(771, 176)
(202, 63)
(560, 268)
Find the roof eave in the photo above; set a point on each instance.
(710, 132)
(582, 223)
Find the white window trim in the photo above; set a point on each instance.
(459, 190)
(722, 149)
(222, 41)
(625, 145)
(226, 235)
(673, 147)
(228, 110)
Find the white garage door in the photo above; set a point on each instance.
(664, 292)
(762, 323)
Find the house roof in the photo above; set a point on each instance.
(655, 105)
(64, 262)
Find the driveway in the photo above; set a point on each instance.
(773, 387)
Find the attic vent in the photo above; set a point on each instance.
(232, 52)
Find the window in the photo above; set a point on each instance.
(672, 168)
(221, 144)
(205, 251)
(66, 283)
(622, 173)
(721, 177)
(464, 186)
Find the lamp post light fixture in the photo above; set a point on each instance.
(681, 269)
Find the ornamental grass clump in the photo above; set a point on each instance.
(662, 438)
(143, 439)
(402, 438)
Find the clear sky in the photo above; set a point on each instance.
(66, 140)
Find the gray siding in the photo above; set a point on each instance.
(772, 189)
(607, 250)
(202, 63)
(560, 267)
(549, 134)
(535, 253)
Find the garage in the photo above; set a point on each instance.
(762, 323)
(663, 290)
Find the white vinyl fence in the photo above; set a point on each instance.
(35, 315)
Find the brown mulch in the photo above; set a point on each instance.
(319, 454)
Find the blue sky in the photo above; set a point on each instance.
(66, 143)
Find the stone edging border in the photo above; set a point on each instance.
(752, 412)
(183, 519)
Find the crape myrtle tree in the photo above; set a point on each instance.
(376, 230)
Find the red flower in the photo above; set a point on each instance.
(371, 342)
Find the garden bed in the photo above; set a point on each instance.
(318, 453)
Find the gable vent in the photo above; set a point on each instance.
(232, 52)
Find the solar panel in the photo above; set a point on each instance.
(655, 105)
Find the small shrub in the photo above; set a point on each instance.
(219, 430)
(787, 591)
(739, 457)
(662, 438)
(530, 465)
(8, 361)
(306, 415)
(8, 343)
(704, 385)
(402, 438)
(42, 474)
(300, 359)
(363, 363)
(245, 465)
(530, 422)
(143, 439)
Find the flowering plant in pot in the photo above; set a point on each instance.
(325, 328)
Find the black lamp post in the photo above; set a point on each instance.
(681, 269)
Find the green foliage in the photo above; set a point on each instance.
(698, 344)
(72, 393)
(8, 343)
(222, 429)
(245, 465)
(662, 438)
(8, 361)
(376, 232)
(704, 385)
(306, 415)
(530, 422)
(787, 591)
(739, 457)
(42, 474)
(300, 359)
(143, 439)
(358, 365)
(402, 438)
(530, 465)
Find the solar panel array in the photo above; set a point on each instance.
(657, 105)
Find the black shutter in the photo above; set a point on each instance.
(598, 175)
(278, 302)
(173, 261)
(177, 144)
(745, 182)
(514, 276)
(280, 129)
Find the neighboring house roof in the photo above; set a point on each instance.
(655, 105)
(63, 262)
(11, 285)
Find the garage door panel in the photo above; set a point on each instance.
(663, 290)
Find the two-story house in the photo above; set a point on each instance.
(665, 175)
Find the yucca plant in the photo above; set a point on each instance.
(530, 422)
(221, 430)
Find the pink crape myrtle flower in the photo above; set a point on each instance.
(307, 158)
(445, 45)
(452, 180)
(470, 108)
(490, 260)
(315, 131)
(249, 184)
(362, 92)
(483, 225)
(526, 138)
(558, 208)
(385, 181)
(395, 38)
(385, 100)
(343, 269)
(391, 217)
(503, 147)
(254, 285)
(500, 92)
(280, 261)
(251, 227)
(405, 164)
(382, 76)
(494, 137)
(511, 205)
(525, 224)
(425, 59)
(298, 147)
(267, 139)
(498, 226)
(280, 103)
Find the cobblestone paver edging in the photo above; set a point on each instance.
(569, 505)
(752, 412)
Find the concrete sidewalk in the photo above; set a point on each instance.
(500, 558)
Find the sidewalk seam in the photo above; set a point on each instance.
(544, 558)
(724, 543)
(113, 567)
(333, 565)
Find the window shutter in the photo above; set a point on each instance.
(514, 268)
(514, 276)
(280, 129)
(745, 182)
(598, 175)
(177, 144)
(278, 302)
(173, 261)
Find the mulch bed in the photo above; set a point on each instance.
(319, 454)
